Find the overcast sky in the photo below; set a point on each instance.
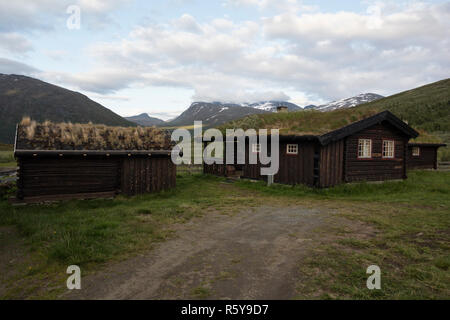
(159, 56)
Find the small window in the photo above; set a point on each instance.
(256, 148)
(416, 151)
(364, 148)
(388, 148)
(292, 149)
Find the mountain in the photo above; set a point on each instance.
(24, 96)
(272, 105)
(426, 108)
(212, 114)
(349, 102)
(311, 106)
(145, 120)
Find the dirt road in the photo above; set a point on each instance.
(252, 254)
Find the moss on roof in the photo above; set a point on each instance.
(74, 136)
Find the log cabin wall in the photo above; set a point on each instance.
(62, 176)
(331, 164)
(147, 174)
(74, 177)
(299, 168)
(375, 168)
(427, 158)
(293, 169)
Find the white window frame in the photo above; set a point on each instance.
(416, 154)
(384, 152)
(292, 148)
(365, 156)
(256, 147)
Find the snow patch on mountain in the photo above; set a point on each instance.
(349, 102)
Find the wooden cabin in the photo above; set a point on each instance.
(373, 149)
(65, 161)
(423, 155)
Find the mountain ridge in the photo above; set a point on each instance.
(25, 96)
(145, 120)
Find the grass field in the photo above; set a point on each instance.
(7, 159)
(409, 238)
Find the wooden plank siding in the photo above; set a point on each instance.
(147, 174)
(50, 176)
(293, 169)
(427, 158)
(331, 164)
(376, 168)
(299, 168)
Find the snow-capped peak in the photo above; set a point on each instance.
(349, 102)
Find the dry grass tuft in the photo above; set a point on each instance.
(75, 136)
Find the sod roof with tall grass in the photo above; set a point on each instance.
(48, 135)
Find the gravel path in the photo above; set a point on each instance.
(253, 254)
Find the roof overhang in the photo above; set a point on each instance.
(60, 153)
(418, 144)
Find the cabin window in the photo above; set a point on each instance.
(292, 149)
(388, 148)
(364, 148)
(416, 151)
(256, 148)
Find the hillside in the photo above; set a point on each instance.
(24, 96)
(145, 120)
(426, 108)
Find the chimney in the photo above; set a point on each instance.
(281, 109)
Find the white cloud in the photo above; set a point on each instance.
(14, 43)
(8, 66)
(291, 53)
(26, 15)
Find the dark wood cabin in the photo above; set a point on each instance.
(373, 149)
(423, 155)
(65, 161)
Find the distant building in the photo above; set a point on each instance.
(64, 161)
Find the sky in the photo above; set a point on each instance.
(158, 57)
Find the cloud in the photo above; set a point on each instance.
(289, 53)
(8, 66)
(46, 15)
(103, 81)
(273, 5)
(14, 43)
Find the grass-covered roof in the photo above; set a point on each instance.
(32, 135)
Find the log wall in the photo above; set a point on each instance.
(376, 168)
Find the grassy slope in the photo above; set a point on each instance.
(427, 109)
(411, 244)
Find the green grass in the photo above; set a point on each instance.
(6, 147)
(90, 233)
(7, 159)
(408, 224)
(403, 227)
(421, 187)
